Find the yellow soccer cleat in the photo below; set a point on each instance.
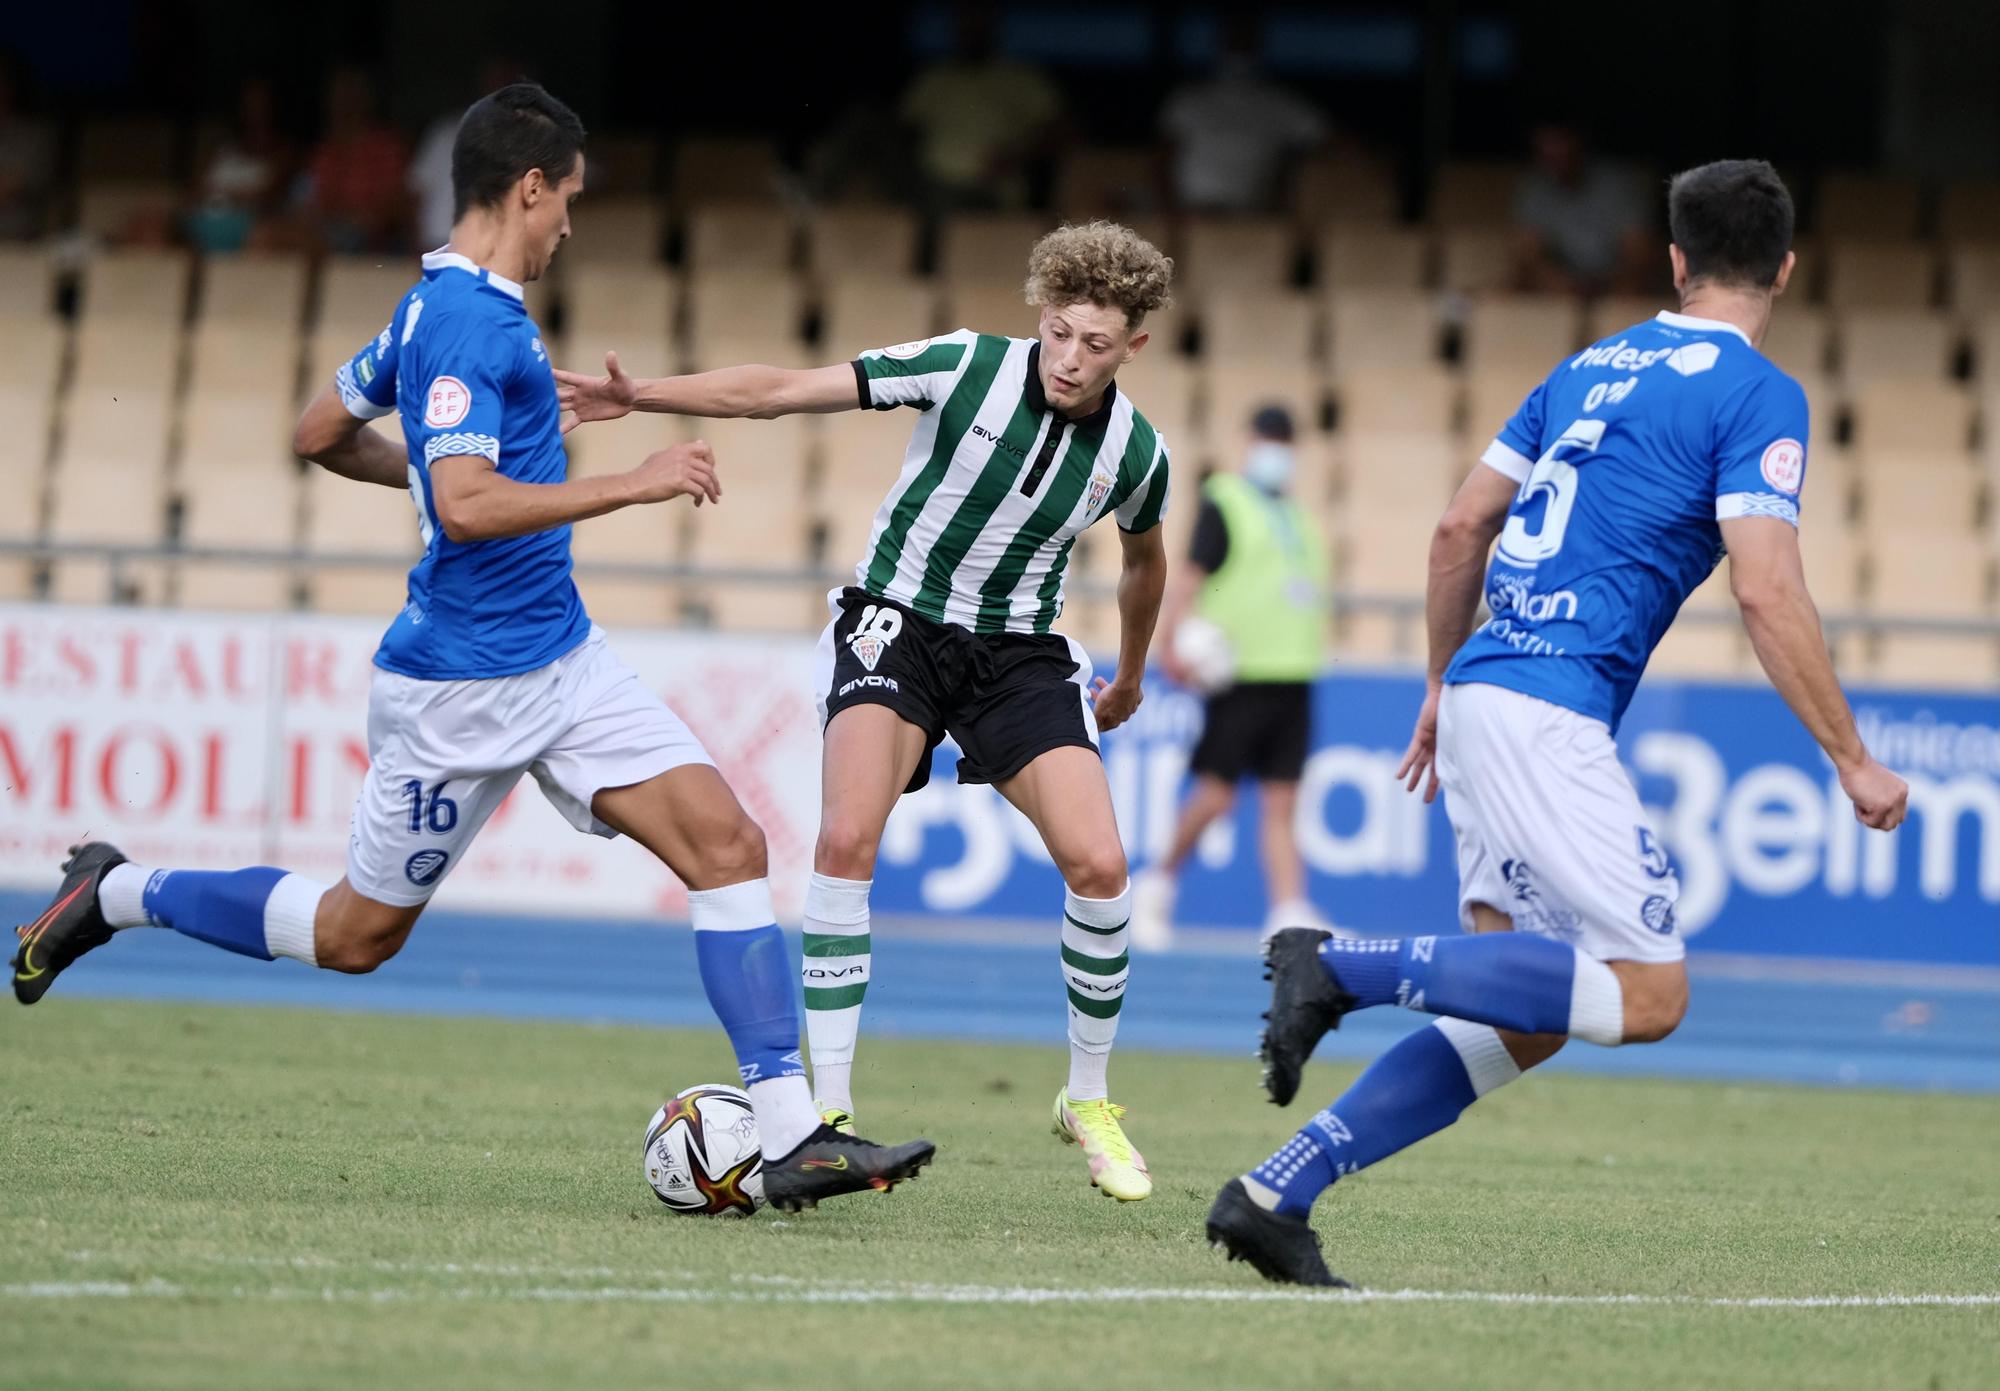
(840, 1120)
(1116, 1168)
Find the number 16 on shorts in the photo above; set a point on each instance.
(434, 812)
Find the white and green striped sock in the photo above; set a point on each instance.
(1094, 967)
(835, 971)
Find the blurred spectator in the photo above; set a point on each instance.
(241, 186)
(1581, 222)
(27, 160)
(355, 194)
(1236, 134)
(430, 167)
(983, 123)
(863, 157)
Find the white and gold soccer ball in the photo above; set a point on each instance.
(701, 1153)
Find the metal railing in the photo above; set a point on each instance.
(124, 560)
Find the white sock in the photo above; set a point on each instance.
(1488, 1064)
(1094, 966)
(288, 918)
(121, 896)
(1596, 1003)
(785, 1113)
(835, 967)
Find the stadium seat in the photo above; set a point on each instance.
(1276, 326)
(260, 289)
(1831, 490)
(1382, 328)
(34, 356)
(1316, 484)
(1798, 338)
(860, 312)
(1707, 639)
(1397, 471)
(115, 359)
(863, 239)
(860, 457)
(1492, 397)
(623, 162)
(1616, 313)
(1926, 573)
(1894, 344)
(1970, 212)
(1383, 556)
(730, 315)
(24, 454)
(1880, 275)
(27, 285)
(738, 237)
(1832, 560)
(346, 517)
(1372, 259)
(357, 294)
(112, 148)
(1905, 487)
(1915, 413)
(109, 485)
(260, 358)
(628, 230)
(763, 523)
(648, 535)
(1468, 194)
(990, 307)
(1107, 181)
(238, 480)
(988, 248)
(1221, 257)
(615, 446)
(1878, 206)
(137, 287)
(612, 301)
(1236, 391)
(1508, 329)
(127, 210)
(1164, 385)
(1343, 190)
(1396, 398)
(1972, 280)
(1476, 259)
(710, 168)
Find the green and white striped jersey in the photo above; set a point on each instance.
(995, 485)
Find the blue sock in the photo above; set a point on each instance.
(749, 978)
(1511, 980)
(1415, 1089)
(222, 908)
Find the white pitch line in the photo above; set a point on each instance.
(974, 1294)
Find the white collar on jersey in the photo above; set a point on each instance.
(439, 259)
(1689, 321)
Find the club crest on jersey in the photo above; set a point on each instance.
(1784, 465)
(1100, 488)
(446, 403)
(879, 626)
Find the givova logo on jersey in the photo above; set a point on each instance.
(879, 626)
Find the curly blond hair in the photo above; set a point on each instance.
(1100, 263)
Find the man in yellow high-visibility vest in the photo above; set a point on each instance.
(1248, 612)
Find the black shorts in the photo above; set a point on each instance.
(1260, 728)
(1006, 698)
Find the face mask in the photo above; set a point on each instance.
(1269, 465)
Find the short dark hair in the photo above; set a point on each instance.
(1732, 220)
(505, 134)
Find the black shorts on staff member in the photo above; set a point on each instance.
(1261, 729)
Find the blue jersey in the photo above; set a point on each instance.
(1628, 457)
(464, 365)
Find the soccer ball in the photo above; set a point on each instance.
(1204, 649)
(701, 1153)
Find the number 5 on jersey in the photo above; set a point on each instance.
(1554, 480)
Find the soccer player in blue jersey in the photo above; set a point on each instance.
(493, 669)
(1613, 492)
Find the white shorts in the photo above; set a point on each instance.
(1550, 830)
(445, 754)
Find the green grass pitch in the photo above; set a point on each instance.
(219, 1198)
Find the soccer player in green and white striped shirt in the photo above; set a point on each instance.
(947, 629)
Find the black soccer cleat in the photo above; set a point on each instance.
(827, 1164)
(1305, 1003)
(68, 927)
(1278, 1245)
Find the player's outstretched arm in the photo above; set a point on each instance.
(475, 502)
(1769, 582)
(1142, 580)
(337, 440)
(750, 392)
(1464, 535)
